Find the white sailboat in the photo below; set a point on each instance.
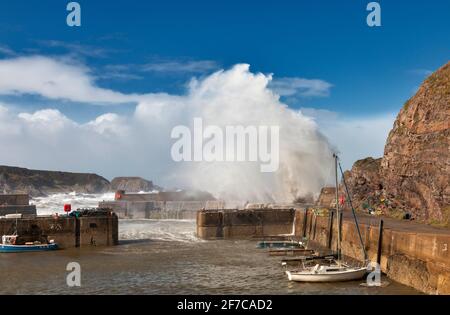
(335, 270)
(333, 273)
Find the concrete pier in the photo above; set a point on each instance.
(162, 205)
(242, 224)
(68, 232)
(413, 254)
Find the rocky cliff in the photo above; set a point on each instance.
(38, 183)
(413, 177)
(416, 163)
(365, 184)
(132, 184)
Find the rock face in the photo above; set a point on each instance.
(416, 163)
(413, 177)
(365, 185)
(39, 183)
(132, 184)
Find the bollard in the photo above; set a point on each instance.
(380, 241)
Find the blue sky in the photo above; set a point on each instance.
(323, 56)
(372, 70)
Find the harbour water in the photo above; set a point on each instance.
(164, 257)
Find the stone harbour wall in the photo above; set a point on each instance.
(236, 224)
(412, 254)
(68, 232)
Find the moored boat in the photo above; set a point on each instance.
(27, 248)
(12, 244)
(334, 270)
(320, 273)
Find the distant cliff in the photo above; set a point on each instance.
(132, 184)
(39, 183)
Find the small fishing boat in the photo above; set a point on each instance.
(12, 243)
(8, 245)
(334, 270)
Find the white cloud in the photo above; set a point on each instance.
(110, 124)
(5, 50)
(57, 79)
(355, 137)
(119, 72)
(76, 48)
(301, 87)
(7, 126)
(48, 120)
(177, 66)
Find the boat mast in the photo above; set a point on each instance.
(338, 212)
(17, 222)
(354, 214)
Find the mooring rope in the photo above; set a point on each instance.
(354, 213)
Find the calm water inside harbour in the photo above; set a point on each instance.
(164, 257)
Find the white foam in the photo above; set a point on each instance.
(55, 203)
(161, 230)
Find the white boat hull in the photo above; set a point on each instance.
(349, 274)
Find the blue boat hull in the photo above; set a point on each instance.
(27, 248)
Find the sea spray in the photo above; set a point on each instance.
(241, 98)
(55, 203)
(116, 144)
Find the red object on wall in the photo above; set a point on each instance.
(118, 195)
(67, 208)
(342, 200)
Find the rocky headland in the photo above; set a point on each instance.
(40, 183)
(133, 184)
(412, 180)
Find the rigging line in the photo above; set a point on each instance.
(354, 213)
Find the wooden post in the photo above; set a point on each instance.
(330, 229)
(311, 223)
(315, 227)
(341, 217)
(305, 221)
(380, 241)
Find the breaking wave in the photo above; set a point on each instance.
(158, 230)
(55, 203)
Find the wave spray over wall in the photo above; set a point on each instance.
(239, 97)
(139, 143)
